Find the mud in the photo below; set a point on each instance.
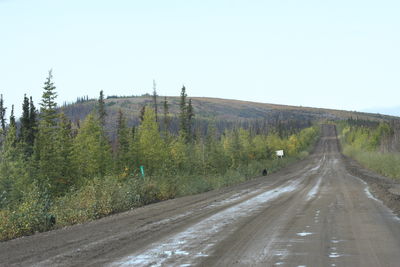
(383, 188)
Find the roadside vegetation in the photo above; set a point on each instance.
(373, 144)
(55, 173)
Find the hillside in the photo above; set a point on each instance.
(224, 112)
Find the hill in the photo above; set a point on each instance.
(223, 112)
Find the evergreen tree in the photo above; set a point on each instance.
(155, 100)
(12, 118)
(28, 126)
(46, 147)
(122, 153)
(190, 115)
(166, 116)
(102, 109)
(13, 171)
(32, 124)
(67, 174)
(48, 105)
(183, 113)
(25, 120)
(2, 115)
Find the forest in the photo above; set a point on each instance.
(55, 172)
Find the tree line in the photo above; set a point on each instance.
(53, 171)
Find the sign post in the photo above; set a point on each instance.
(279, 153)
(142, 171)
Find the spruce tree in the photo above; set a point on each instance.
(47, 160)
(183, 113)
(155, 100)
(2, 115)
(25, 121)
(67, 174)
(13, 171)
(190, 115)
(12, 118)
(32, 123)
(166, 116)
(102, 109)
(122, 153)
(48, 105)
(28, 126)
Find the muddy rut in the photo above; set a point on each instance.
(313, 213)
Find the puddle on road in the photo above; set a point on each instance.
(199, 237)
(304, 234)
(334, 255)
(313, 192)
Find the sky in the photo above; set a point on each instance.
(341, 54)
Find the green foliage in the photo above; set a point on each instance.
(123, 159)
(387, 164)
(74, 176)
(102, 109)
(28, 126)
(187, 169)
(13, 171)
(2, 115)
(151, 146)
(91, 151)
(362, 142)
(12, 117)
(31, 216)
(166, 119)
(48, 105)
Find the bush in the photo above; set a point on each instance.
(30, 216)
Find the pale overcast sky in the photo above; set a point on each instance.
(342, 54)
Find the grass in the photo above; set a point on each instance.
(387, 164)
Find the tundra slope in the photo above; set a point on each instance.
(313, 213)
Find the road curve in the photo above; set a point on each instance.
(313, 213)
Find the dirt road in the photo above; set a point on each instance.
(314, 213)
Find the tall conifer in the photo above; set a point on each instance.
(190, 115)
(24, 120)
(102, 109)
(12, 118)
(2, 115)
(122, 157)
(48, 105)
(155, 100)
(183, 113)
(166, 116)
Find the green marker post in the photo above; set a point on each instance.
(142, 171)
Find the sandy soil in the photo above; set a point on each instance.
(323, 211)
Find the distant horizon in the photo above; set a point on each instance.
(390, 111)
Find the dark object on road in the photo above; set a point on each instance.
(265, 172)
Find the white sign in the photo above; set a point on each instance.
(279, 153)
